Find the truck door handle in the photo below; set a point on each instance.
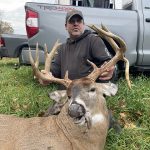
(147, 7)
(147, 19)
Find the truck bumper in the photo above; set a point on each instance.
(141, 69)
(3, 52)
(24, 57)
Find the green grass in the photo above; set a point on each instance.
(132, 108)
(20, 94)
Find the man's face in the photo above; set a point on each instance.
(75, 26)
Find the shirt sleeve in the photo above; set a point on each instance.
(99, 52)
(56, 64)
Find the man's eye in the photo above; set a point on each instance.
(72, 21)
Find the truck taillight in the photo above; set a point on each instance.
(2, 43)
(31, 23)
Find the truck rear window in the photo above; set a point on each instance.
(111, 4)
(87, 3)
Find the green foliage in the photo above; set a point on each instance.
(21, 95)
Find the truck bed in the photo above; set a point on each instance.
(12, 45)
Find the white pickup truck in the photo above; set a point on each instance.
(45, 24)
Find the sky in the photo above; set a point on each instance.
(13, 12)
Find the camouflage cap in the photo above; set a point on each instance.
(71, 13)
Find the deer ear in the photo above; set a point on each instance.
(108, 89)
(57, 95)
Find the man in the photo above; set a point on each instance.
(81, 45)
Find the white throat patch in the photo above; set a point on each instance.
(98, 118)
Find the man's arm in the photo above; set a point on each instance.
(56, 64)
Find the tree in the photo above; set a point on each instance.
(5, 27)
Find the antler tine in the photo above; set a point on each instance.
(49, 56)
(110, 37)
(95, 73)
(106, 34)
(45, 74)
(127, 72)
(110, 40)
(34, 64)
(37, 55)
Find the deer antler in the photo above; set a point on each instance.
(110, 37)
(45, 75)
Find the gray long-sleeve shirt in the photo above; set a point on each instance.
(73, 55)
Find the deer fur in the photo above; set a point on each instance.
(62, 132)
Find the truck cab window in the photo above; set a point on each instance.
(93, 3)
(77, 3)
(81, 3)
(127, 5)
(101, 4)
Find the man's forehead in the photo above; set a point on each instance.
(76, 16)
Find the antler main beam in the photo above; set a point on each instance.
(111, 38)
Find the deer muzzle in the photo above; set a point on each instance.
(76, 110)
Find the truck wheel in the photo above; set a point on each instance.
(20, 59)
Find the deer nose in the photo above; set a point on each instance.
(76, 110)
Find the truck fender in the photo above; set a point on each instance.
(19, 49)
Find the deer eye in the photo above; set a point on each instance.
(92, 89)
(104, 95)
(69, 96)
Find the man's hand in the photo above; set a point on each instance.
(107, 75)
(47, 75)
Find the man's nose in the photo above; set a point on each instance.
(76, 23)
